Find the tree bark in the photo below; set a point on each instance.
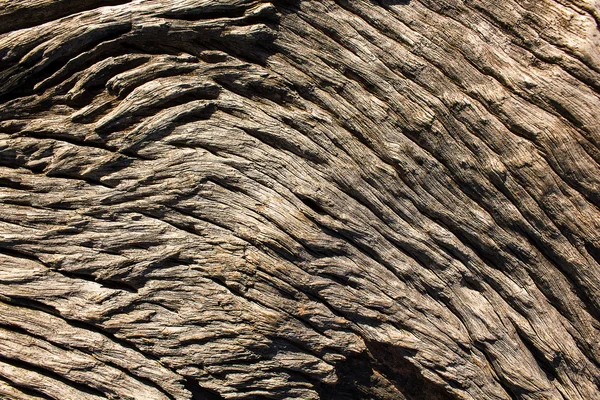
(311, 199)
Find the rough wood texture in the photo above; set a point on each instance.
(308, 199)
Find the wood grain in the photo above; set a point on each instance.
(333, 199)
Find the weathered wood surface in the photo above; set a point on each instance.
(344, 199)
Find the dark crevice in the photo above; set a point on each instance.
(341, 280)
(312, 204)
(547, 366)
(66, 137)
(14, 252)
(383, 372)
(200, 92)
(15, 184)
(593, 249)
(209, 12)
(25, 85)
(393, 362)
(496, 258)
(200, 393)
(39, 306)
(281, 291)
(111, 284)
(196, 114)
(278, 142)
(97, 83)
(506, 386)
(26, 15)
(313, 294)
(144, 380)
(72, 175)
(52, 375)
(27, 390)
(159, 215)
(122, 92)
(107, 283)
(87, 350)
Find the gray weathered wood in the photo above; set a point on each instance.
(332, 199)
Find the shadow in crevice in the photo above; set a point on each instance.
(383, 373)
(386, 3)
(29, 14)
(392, 362)
(200, 393)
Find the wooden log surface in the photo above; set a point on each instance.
(310, 199)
